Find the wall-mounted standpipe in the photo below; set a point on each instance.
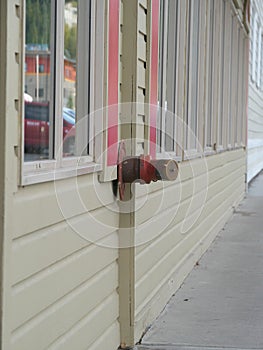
(143, 169)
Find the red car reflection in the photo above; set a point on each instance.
(37, 123)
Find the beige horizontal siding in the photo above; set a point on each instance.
(111, 337)
(182, 189)
(39, 206)
(39, 250)
(45, 328)
(144, 259)
(83, 333)
(160, 259)
(183, 240)
(53, 283)
(61, 282)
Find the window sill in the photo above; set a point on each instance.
(45, 175)
(168, 155)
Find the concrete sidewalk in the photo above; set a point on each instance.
(220, 304)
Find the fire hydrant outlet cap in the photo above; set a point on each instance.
(167, 169)
(171, 170)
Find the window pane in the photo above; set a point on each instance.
(231, 94)
(38, 119)
(210, 77)
(161, 81)
(193, 79)
(223, 44)
(70, 76)
(171, 77)
(167, 76)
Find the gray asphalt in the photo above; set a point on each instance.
(220, 304)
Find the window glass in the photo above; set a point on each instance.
(252, 15)
(261, 65)
(210, 77)
(220, 115)
(70, 76)
(57, 83)
(232, 84)
(256, 50)
(171, 76)
(38, 119)
(259, 56)
(161, 80)
(167, 76)
(193, 75)
(254, 26)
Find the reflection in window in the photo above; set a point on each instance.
(193, 75)
(167, 76)
(161, 79)
(70, 76)
(41, 68)
(37, 94)
(210, 77)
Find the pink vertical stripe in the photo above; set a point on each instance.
(113, 83)
(154, 77)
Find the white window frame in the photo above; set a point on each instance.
(238, 124)
(254, 48)
(210, 53)
(192, 78)
(222, 53)
(227, 73)
(63, 167)
(261, 64)
(259, 57)
(167, 128)
(162, 82)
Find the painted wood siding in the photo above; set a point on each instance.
(59, 290)
(255, 107)
(164, 261)
(62, 284)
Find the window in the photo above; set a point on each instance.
(168, 45)
(261, 64)
(257, 51)
(226, 76)
(221, 77)
(254, 46)
(252, 17)
(241, 82)
(162, 76)
(41, 68)
(201, 68)
(39, 93)
(193, 80)
(209, 111)
(57, 123)
(238, 89)
(259, 57)
(232, 85)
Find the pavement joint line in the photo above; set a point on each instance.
(171, 346)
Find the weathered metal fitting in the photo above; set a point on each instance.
(143, 169)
